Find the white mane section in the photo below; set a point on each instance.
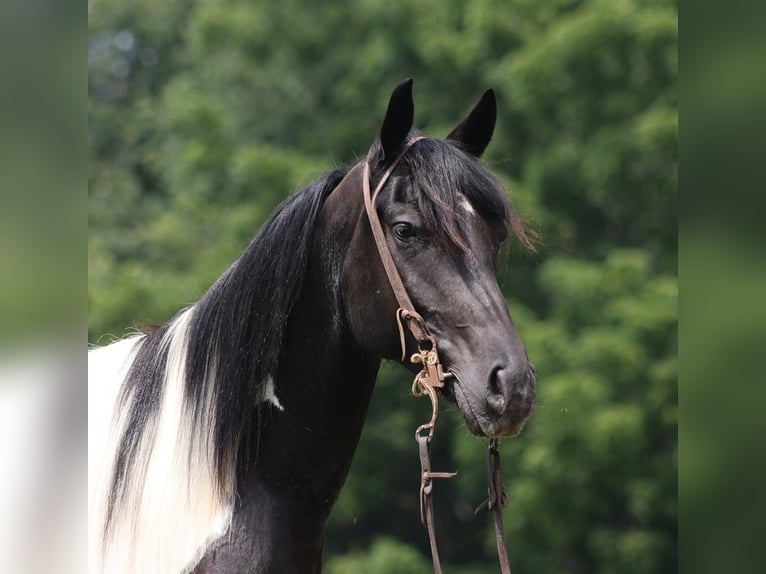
(174, 506)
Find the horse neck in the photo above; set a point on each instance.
(324, 384)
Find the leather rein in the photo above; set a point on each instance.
(431, 377)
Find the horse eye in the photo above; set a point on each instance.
(404, 231)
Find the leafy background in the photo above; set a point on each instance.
(203, 115)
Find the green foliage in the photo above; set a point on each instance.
(601, 449)
(204, 115)
(386, 556)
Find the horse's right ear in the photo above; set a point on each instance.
(396, 125)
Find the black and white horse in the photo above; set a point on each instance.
(220, 440)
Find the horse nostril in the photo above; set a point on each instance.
(497, 383)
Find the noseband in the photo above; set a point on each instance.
(431, 377)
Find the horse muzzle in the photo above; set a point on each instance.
(500, 405)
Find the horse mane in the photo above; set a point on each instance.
(221, 354)
(241, 320)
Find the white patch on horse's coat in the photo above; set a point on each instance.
(467, 205)
(268, 395)
(175, 506)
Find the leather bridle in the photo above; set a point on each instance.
(431, 377)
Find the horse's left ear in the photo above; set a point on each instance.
(475, 131)
(397, 123)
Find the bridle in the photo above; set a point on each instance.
(431, 377)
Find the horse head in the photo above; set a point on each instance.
(445, 218)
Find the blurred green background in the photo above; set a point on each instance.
(204, 115)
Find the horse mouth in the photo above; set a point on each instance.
(480, 423)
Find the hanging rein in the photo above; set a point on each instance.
(431, 377)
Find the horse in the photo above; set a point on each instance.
(220, 440)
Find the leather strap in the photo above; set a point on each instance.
(426, 498)
(406, 313)
(497, 499)
(423, 436)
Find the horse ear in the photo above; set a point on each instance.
(475, 131)
(398, 121)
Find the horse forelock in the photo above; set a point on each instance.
(446, 178)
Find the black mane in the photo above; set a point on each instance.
(234, 336)
(240, 322)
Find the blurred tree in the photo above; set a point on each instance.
(204, 115)
(386, 556)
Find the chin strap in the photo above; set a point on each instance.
(431, 377)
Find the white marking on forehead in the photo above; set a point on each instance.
(467, 205)
(268, 395)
